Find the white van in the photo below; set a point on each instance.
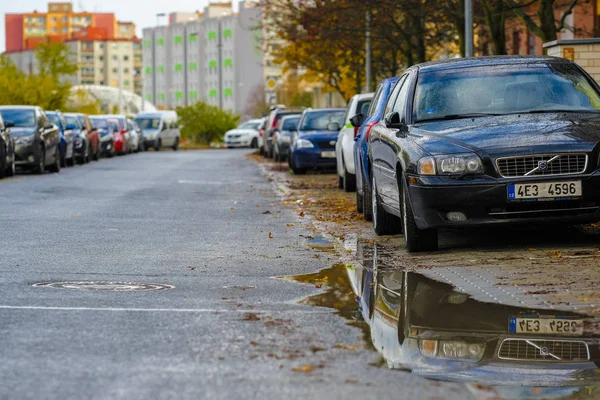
(160, 129)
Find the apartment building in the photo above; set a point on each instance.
(111, 62)
(212, 56)
(58, 24)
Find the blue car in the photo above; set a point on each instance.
(361, 146)
(67, 142)
(313, 144)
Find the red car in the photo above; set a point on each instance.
(119, 136)
(122, 120)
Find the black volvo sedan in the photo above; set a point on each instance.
(490, 140)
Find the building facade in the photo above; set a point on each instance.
(58, 24)
(213, 56)
(115, 62)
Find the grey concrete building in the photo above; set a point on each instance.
(215, 57)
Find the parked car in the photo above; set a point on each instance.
(123, 141)
(262, 129)
(486, 141)
(282, 137)
(160, 129)
(82, 145)
(7, 149)
(245, 135)
(92, 136)
(37, 140)
(425, 326)
(137, 139)
(107, 138)
(344, 148)
(274, 116)
(313, 144)
(120, 140)
(67, 141)
(361, 145)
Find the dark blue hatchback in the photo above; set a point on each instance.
(313, 145)
(361, 146)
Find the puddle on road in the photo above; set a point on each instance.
(320, 243)
(428, 327)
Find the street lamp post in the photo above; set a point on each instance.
(468, 28)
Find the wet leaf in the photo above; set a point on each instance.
(267, 212)
(346, 347)
(232, 208)
(554, 254)
(289, 225)
(191, 268)
(251, 317)
(304, 368)
(351, 381)
(271, 235)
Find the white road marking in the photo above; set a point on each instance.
(176, 310)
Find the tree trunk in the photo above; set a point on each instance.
(547, 22)
(495, 18)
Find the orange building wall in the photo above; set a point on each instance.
(13, 32)
(584, 18)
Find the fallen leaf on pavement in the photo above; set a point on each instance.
(304, 368)
(289, 225)
(267, 212)
(191, 268)
(251, 317)
(353, 381)
(345, 347)
(271, 235)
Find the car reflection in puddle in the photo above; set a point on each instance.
(433, 330)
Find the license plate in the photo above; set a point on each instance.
(544, 190)
(328, 154)
(546, 326)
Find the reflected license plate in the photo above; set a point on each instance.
(546, 326)
(544, 190)
(328, 154)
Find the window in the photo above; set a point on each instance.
(126, 82)
(392, 99)
(53, 19)
(114, 70)
(504, 89)
(54, 30)
(101, 58)
(126, 70)
(65, 20)
(65, 30)
(376, 100)
(400, 105)
(115, 58)
(125, 58)
(101, 45)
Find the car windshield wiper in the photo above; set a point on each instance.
(550, 110)
(458, 116)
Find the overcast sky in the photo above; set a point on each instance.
(141, 12)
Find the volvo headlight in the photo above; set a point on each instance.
(149, 136)
(452, 350)
(304, 144)
(285, 139)
(454, 164)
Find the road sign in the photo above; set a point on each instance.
(271, 83)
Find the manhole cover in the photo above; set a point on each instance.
(102, 285)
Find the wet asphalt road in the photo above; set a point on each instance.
(195, 221)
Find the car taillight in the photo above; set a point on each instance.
(355, 131)
(260, 132)
(369, 127)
